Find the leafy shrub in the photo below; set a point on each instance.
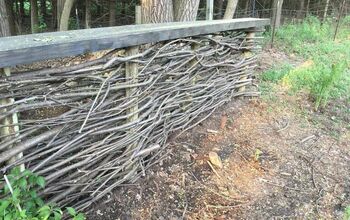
(20, 201)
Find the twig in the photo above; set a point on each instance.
(11, 190)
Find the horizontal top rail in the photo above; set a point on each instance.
(35, 47)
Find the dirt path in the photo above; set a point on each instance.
(280, 160)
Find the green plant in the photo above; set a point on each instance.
(347, 213)
(325, 72)
(276, 73)
(325, 84)
(74, 214)
(19, 199)
(42, 25)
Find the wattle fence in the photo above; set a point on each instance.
(91, 123)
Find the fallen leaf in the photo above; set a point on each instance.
(215, 159)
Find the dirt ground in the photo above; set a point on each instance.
(281, 160)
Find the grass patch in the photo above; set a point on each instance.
(347, 213)
(276, 73)
(326, 73)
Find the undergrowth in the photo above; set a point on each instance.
(19, 199)
(325, 74)
(347, 213)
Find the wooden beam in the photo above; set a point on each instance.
(36, 47)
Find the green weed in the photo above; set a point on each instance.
(20, 201)
(347, 213)
(276, 73)
(328, 76)
(326, 82)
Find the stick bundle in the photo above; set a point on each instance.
(74, 127)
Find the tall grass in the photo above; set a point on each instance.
(328, 76)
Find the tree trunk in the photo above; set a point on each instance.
(325, 11)
(43, 8)
(247, 8)
(59, 7)
(4, 20)
(112, 20)
(87, 13)
(21, 8)
(186, 10)
(11, 16)
(230, 9)
(21, 12)
(64, 22)
(307, 7)
(220, 6)
(277, 12)
(301, 9)
(157, 11)
(34, 19)
(54, 14)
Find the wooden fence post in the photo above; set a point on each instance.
(13, 119)
(249, 42)
(131, 73)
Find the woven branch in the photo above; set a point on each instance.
(74, 127)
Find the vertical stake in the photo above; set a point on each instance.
(131, 74)
(13, 119)
(138, 13)
(249, 41)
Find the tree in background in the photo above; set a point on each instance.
(112, 21)
(157, 11)
(4, 21)
(64, 18)
(59, 10)
(325, 11)
(47, 15)
(277, 10)
(185, 10)
(230, 9)
(34, 17)
(301, 9)
(219, 5)
(160, 11)
(87, 13)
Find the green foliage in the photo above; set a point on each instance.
(328, 76)
(325, 84)
(347, 213)
(42, 25)
(276, 73)
(73, 24)
(20, 201)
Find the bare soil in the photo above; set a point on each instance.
(281, 160)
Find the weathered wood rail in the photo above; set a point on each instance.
(30, 48)
(90, 127)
